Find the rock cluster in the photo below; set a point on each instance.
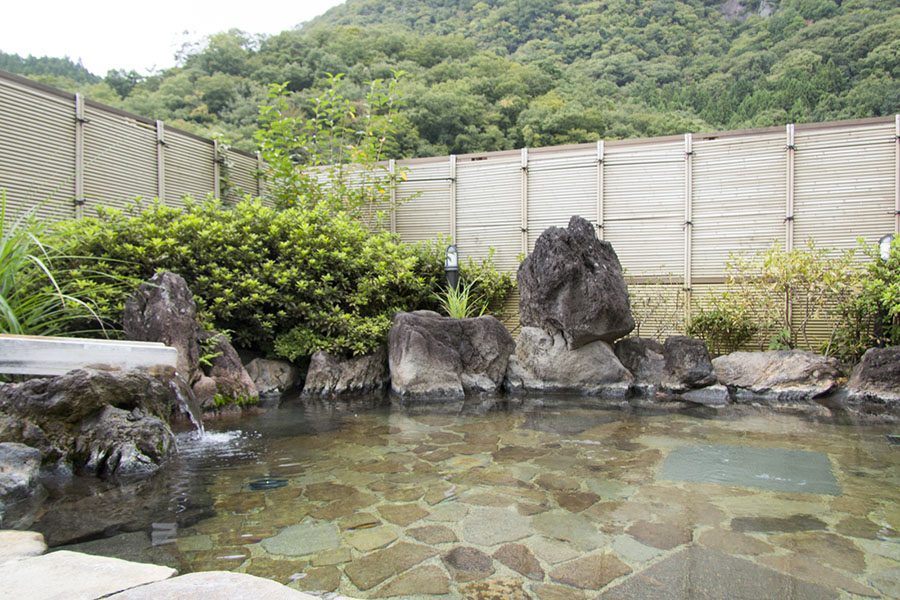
(107, 423)
(163, 310)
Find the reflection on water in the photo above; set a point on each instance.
(548, 499)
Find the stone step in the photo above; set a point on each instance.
(38, 355)
(67, 575)
(213, 585)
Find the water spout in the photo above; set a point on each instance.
(188, 404)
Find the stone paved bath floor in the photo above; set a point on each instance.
(548, 500)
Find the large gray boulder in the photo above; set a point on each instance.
(20, 490)
(573, 283)
(687, 364)
(874, 386)
(777, 375)
(273, 377)
(163, 310)
(543, 362)
(107, 423)
(331, 375)
(437, 358)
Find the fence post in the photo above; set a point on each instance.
(600, 151)
(790, 148)
(392, 174)
(688, 222)
(259, 174)
(523, 211)
(789, 208)
(217, 174)
(897, 175)
(79, 155)
(453, 198)
(161, 160)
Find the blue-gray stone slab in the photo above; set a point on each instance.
(774, 469)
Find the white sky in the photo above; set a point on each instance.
(138, 35)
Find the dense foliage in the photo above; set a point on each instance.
(870, 315)
(498, 74)
(285, 282)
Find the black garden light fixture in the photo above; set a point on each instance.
(451, 266)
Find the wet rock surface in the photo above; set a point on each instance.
(330, 376)
(572, 283)
(21, 492)
(226, 370)
(700, 574)
(644, 357)
(687, 364)
(434, 357)
(105, 423)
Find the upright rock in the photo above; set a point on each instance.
(437, 358)
(331, 375)
(777, 375)
(544, 363)
(573, 283)
(874, 386)
(163, 310)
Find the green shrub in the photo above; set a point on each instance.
(285, 282)
(724, 328)
(870, 314)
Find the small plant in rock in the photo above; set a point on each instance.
(460, 302)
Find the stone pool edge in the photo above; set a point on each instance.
(28, 570)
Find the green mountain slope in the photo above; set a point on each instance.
(498, 74)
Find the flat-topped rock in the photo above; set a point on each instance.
(72, 576)
(437, 358)
(213, 585)
(781, 375)
(543, 362)
(15, 545)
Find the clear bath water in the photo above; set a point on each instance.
(545, 499)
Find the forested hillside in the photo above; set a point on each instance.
(499, 74)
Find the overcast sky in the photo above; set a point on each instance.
(138, 35)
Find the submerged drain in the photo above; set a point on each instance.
(267, 483)
(893, 439)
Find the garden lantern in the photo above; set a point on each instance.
(451, 266)
(884, 246)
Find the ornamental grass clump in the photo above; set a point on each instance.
(37, 295)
